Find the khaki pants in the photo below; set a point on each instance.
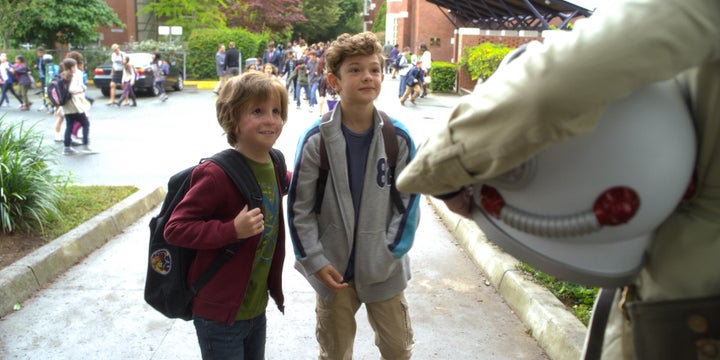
(336, 326)
(415, 89)
(221, 82)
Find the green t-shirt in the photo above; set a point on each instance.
(256, 296)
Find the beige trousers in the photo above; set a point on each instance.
(336, 326)
(221, 82)
(415, 89)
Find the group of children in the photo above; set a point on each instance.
(310, 85)
(74, 113)
(16, 73)
(126, 74)
(354, 254)
(307, 79)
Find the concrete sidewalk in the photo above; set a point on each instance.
(96, 308)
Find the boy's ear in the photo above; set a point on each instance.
(333, 81)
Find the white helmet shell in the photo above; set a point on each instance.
(584, 210)
(48, 58)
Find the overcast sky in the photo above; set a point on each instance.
(588, 4)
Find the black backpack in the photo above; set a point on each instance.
(57, 91)
(391, 150)
(166, 287)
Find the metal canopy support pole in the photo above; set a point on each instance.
(492, 14)
(567, 19)
(512, 15)
(448, 17)
(530, 6)
(470, 6)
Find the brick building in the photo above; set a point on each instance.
(138, 26)
(449, 26)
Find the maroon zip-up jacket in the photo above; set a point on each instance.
(203, 220)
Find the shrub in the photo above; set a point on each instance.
(443, 76)
(202, 44)
(481, 61)
(28, 189)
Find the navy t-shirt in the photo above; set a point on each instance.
(356, 152)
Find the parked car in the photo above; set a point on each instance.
(145, 80)
(255, 62)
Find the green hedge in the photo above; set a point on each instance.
(202, 44)
(443, 77)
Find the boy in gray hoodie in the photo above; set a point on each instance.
(353, 247)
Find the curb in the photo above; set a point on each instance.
(26, 276)
(202, 84)
(558, 332)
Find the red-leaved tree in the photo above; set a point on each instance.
(275, 16)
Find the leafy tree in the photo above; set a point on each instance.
(10, 12)
(323, 17)
(64, 21)
(190, 14)
(350, 20)
(379, 23)
(264, 15)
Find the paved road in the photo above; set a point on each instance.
(96, 308)
(144, 145)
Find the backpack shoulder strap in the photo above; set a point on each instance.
(278, 159)
(391, 150)
(237, 168)
(323, 170)
(390, 139)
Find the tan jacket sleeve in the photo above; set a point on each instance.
(558, 89)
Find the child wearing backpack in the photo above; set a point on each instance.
(50, 71)
(413, 83)
(75, 109)
(128, 80)
(229, 311)
(21, 71)
(159, 69)
(300, 76)
(352, 244)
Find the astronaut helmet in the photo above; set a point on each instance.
(584, 210)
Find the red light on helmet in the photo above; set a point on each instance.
(616, 206)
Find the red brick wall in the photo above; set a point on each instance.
(465, 83)
(116, 35)
(430, 23)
